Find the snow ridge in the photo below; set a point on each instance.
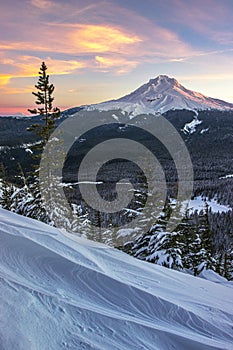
(60, 291)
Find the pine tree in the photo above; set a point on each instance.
(55, 213)
(140, 248)
(158, 245)
(228, 264)
(206, 254)
(190, 243)
(6, 190)
(44, 98)
(225, 264)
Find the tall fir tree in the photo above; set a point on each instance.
(206, 254)
(6, 189)
(44, 98)
(190, 243)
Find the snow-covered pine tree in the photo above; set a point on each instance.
(224, 266)
(6, 189)
(228, 264)
(190, 243)
(206, 253)
(159, 246)
(21, 195)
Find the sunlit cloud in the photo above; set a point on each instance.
(28, 66)
(4, 79)
(16, 91)
(107, 38)
(101, 38)
(79, 39)
(177, 59)
(42, 4)
(121, 65)
(27, 46)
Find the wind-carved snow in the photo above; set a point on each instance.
(60, 291)
(160, 95)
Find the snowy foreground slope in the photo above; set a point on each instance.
(58, 291)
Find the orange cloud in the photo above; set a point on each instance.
(17, 46)
(15, 91)
(81, 39)
(42, 4)
(101, 38)
(122, 65)
(4, 79)
(28, 66)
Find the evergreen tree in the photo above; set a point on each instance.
(224, 266)
(190, 243)
(140, 247)
(44, 98)
(24, 199)
(55, 213)
(206, 254)
(228, 264)
(159, 246)
(6, 190)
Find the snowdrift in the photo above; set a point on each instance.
(59, 291)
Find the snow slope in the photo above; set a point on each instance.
(60, 291)
(160, 95)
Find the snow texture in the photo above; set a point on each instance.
(198, 203)
(160, 95)
(59, 291)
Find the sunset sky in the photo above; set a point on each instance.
(100, 50)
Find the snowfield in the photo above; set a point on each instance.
(60, 291)
(199, 203)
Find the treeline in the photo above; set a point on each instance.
(202, 240)
(192, 245)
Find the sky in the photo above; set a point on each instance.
(101, 50)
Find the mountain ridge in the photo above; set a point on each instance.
(160, 95)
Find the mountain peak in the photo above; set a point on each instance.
(163, 79)
(162, 94)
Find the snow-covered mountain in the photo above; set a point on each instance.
(60, 291)
(160, 95)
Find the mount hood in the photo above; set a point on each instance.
(160, 95)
